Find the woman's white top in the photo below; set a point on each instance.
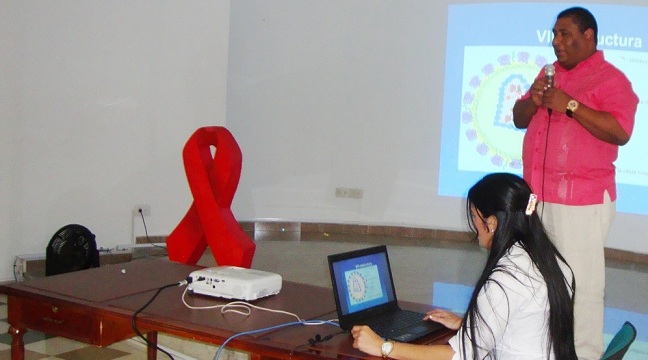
(517, 311)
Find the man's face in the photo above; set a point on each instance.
(572, 46)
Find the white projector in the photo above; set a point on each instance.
(233, 282)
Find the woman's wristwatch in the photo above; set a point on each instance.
(386, 348)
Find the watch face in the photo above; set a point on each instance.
(387, 348)
(572, 105)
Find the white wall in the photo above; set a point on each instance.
(339, 93)
(97, 99)
(348, 94)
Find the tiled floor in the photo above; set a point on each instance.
(435, 272)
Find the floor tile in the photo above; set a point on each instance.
(54, 345)
(93, 353)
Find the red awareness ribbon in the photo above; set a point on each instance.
(213, 180)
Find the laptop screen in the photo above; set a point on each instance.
(361, 279)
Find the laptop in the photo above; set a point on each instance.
(365, 295)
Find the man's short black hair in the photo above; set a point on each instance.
(582, 18)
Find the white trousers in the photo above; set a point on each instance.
(580, 233)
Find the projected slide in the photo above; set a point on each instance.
(494, 52)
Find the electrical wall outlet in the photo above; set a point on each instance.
(344, 192)
(145, 210)
(355, 193)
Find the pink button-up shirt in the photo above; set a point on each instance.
(562, 161)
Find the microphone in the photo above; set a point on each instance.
(550, 71)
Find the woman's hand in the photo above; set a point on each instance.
(366, 340)
(446, 318)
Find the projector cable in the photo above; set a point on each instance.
(134, 317)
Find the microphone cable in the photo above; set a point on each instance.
(544, 165)
(550, 72)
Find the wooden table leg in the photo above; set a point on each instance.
(151, 352)
(17, 343)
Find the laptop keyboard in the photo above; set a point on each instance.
(397, 320)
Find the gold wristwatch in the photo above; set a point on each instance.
(572, 105)
(386, 349)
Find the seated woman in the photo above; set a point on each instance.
(522, 306)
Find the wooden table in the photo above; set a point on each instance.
(96, 306)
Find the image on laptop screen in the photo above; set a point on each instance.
(363, 282)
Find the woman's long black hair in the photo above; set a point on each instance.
(506, 196)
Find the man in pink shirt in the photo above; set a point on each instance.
(574, 129)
